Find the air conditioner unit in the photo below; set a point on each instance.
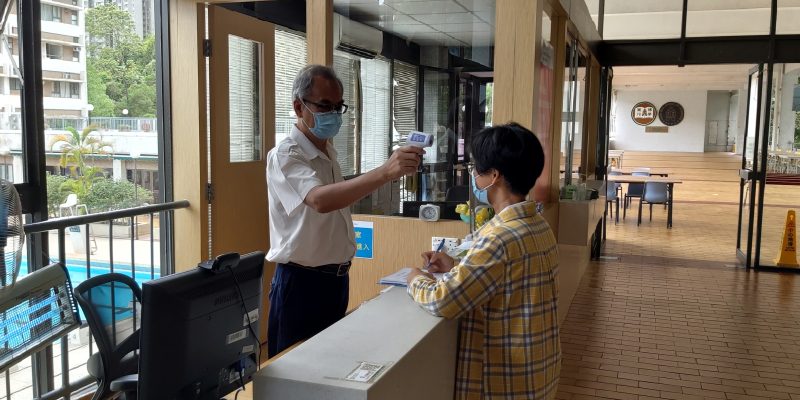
(13, 121)
(356, 38)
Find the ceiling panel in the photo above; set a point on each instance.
(427, 22)
(429, 7)
(701, 77)
(436, 20)
(468, 27)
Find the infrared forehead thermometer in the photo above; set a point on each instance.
(419, 139)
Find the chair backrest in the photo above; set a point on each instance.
(71, 200)
(611, 191)
(656, 192)
(112, 306)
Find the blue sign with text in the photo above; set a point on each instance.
(364, 235)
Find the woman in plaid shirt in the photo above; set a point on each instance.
(505, 289)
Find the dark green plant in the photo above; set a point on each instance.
(107, 194)
(56, 193)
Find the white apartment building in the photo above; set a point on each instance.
(63, 64)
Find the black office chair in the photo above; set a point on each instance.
(457, 193)
(112, 306)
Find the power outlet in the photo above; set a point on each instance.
(450, 244)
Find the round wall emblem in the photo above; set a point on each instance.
(644, 113)
(671, 114)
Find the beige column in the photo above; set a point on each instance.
(319, 31)
(516, 61)
(188, 132)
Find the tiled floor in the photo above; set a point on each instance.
(669, 314)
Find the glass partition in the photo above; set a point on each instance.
(782, 191)
(413, 65)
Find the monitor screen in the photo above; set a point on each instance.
(197, 341)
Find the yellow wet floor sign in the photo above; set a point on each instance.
(788, 255)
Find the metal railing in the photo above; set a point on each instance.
(42, 365)
(12, 121)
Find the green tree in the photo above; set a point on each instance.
(121, 61)
(98, 97)
(55, 192)
(797, 129)
(107, 194)
(75, 147)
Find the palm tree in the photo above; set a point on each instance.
(75, 147)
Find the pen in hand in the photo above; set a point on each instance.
(438, 250)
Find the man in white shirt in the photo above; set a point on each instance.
(311, 230)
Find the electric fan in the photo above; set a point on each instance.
(35, 309)
(12, 235)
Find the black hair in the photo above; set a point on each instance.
(513, 151)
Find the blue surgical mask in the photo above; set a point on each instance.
(482, 195)
(326, 125)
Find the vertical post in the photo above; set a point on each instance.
(516, 61)
(319, 31)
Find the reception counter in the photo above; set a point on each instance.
(413, 352)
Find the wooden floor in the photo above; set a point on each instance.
(669, 314)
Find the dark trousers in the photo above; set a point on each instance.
(303, 303)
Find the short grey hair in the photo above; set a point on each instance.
(305, 79)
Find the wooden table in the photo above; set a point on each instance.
(629, 170)
(644, 179)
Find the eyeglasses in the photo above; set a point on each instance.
(338, 108)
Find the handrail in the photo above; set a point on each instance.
(60, 223)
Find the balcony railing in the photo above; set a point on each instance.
(12, 121)
(59, 371)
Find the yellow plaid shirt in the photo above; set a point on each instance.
(505, 291)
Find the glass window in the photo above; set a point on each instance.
(347, 67)
(55, 89)
(446, 94)
(15, 83)
(404, 109)
(375, 131)
(74, 18)
(244, 99)
(783, 160)
(75, 90)
(51, 13)
(405, 84)
(572, 126)
(290, 58)
(53, 51)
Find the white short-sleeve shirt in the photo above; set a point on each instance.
(298, 233)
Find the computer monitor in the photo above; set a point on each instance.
(195, 333)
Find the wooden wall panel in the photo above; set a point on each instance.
(191, 224)
(319, 31)
(398, 243)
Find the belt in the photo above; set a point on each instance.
(333, 269)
